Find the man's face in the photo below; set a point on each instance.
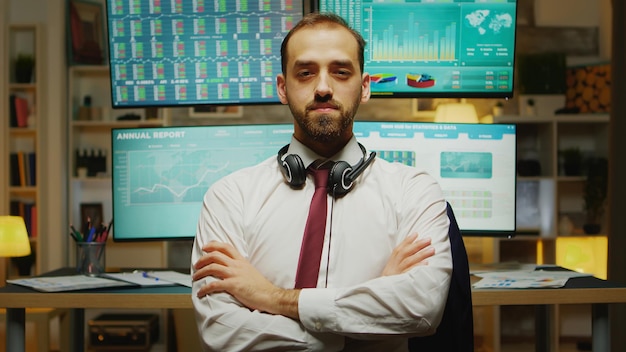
(323, 84)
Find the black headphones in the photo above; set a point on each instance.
(340, 178)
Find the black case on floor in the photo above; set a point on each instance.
(123, 332)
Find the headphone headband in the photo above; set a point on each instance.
(340, 178)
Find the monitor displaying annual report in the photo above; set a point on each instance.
(176, 53)
(160, 175)
(433, 48)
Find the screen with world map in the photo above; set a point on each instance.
(435, 48)
(160, 174)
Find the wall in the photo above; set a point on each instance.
(617, 173)
(580, 32)
(50, 14)
(4, 177)
(582, 27)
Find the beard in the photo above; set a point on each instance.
(325, 127)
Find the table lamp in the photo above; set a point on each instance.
(456, 112)
(585, 254)
(13, 237)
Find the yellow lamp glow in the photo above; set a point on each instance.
(585, 254)
(456, 112)
(13, 237)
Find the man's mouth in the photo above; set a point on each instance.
(324, 107)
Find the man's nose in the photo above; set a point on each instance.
(324, 87)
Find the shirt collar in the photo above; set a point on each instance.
(351, 153)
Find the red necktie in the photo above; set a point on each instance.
(313, 240)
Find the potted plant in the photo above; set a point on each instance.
(24, 65)
(498, 109)
(595, 193)
(572, 161)
(530, 107)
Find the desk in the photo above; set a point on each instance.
(584, 290)
(41, 318)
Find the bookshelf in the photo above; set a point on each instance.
(21, 138)
(91, 120)
(548, 194)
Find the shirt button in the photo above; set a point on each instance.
(318, 326)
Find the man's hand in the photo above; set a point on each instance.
(243, 281)
(408, 254)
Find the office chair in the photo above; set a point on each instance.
(456, 330)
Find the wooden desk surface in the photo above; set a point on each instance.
(13, 296)
(503, 297)
(580, 290)
(577, 291)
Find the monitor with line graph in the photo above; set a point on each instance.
(429, 49)
(177, 53)
(160, 174)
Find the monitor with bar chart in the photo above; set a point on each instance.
(192, 52)
(435, 48)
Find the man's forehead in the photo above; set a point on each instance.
(320, 29)
(310, 44)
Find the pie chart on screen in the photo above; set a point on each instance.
(420, 80)
(379, 78)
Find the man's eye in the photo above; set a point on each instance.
(343, 72)
(304, 73)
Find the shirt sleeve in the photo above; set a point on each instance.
(223, 323)
(408, 304)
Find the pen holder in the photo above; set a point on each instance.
(90, 258)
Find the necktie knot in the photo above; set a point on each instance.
(320, 176)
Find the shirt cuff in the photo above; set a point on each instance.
(316, 309)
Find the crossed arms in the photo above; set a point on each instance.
(240, 279)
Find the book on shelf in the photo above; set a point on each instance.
(23, 167)
(14, 169)
(12, 112)
(28, 211)
(32, 168)
(18, 108)
(33, 221)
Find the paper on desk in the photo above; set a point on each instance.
(525, 279)
(172, 276)
(141, 278)
(476, 268)
(67, 283)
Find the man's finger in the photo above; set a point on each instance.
(227, 249)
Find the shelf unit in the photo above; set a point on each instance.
(547, 198)
(89, 128)
(21, 141)
(91, 122)
(553, 193)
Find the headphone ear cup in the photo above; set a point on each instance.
(293, 170)
(338, 183)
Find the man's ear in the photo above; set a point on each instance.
(281, 88)
(365, 88)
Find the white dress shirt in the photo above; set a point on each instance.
(353, 307)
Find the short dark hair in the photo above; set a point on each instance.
(317, 18)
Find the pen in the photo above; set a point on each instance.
(99, 232)
(107, 231)
(110, 224)
(76, 233)
(74, 236)
(148, 276)
(92, 232)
